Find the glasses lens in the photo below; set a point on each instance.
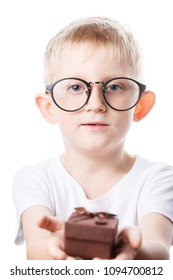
(122, 94)
(70, 94)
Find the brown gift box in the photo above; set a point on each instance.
(89, 235)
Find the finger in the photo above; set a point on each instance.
(131, 236)
(57, 254)
(50, 223)
(71, 258)
(126, 254)
(55, 248)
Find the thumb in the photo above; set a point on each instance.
(131, 236)
(50, 223)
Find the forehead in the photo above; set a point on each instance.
(86, 59)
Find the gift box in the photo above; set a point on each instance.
(89, 235)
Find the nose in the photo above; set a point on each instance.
(96, 100)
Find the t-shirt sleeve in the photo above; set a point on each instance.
(157, 193)
(30, 188)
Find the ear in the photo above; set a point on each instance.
(44, 104)
(144, 105)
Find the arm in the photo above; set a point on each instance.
(157, 232)
(44, 239)
(151, 241)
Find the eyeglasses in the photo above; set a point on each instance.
(72, 94)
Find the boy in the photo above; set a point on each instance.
(94, 90)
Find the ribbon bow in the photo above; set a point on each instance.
(100, 217)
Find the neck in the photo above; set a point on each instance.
(96, 175)
(90, 161)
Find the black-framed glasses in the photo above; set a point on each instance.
(72, 94)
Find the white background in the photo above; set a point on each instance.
(25, 28)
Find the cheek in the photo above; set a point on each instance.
(128, 118)
(123, 121)
(65, 130)
(65, 122)
(60, 115)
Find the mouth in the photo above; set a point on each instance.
(95, 124)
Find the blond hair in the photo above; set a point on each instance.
(97, 31)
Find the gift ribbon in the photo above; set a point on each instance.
(100, 217)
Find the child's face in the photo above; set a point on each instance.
(96, 127)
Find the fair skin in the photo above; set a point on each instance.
(92, 149)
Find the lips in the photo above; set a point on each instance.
(94, 127)
(95, 124)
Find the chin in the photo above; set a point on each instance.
(97, 150)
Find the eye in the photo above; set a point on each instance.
(76, 88)
(113, 87)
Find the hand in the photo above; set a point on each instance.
(56, 239)
(128, 243)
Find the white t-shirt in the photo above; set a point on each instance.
(148, 187)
